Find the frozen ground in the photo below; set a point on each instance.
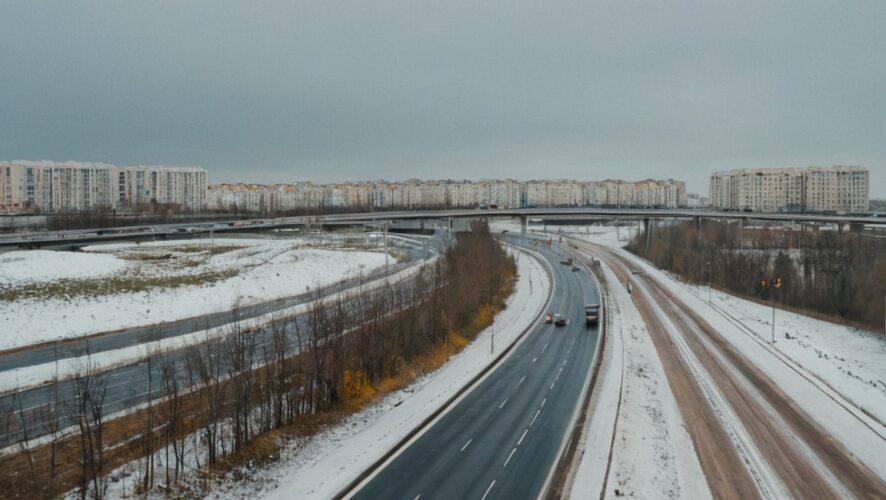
(66, 302)
(652, 455)
(320, 466)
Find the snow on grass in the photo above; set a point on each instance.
(318, 467)
(21, 267)
(160, 282)
(652, 453)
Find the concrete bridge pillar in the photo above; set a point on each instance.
(856, 227)
(523, 223)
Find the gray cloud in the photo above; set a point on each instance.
(279, 91)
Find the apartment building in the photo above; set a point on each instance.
(815, 189)
(414, 194)
(76, 186)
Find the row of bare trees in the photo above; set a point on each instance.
(208, 403)
(832, 272)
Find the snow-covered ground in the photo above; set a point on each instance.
(18, 268)
(237, 271)
(848, 359)
(320, 466)
(652, 455)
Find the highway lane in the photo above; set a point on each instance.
(502, 439)
(119, 339)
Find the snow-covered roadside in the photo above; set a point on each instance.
(847, 359)
(652, 455)
(320, 466)
(859, 433)
(266, 269)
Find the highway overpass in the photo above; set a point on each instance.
(191, 229)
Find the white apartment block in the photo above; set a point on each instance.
(834, 189)
(74, 186)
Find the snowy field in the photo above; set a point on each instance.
(50, 295)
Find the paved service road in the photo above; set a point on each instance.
(502, 439)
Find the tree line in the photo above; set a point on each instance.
(214, 401)
(836, 273)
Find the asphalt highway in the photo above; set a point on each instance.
(502, 439)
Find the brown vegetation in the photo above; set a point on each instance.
(838, 274)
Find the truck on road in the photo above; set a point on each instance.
(592, 314)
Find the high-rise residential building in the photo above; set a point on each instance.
(74, 186)
(814, 189)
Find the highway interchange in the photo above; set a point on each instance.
(505, 436)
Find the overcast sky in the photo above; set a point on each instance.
(330, 91)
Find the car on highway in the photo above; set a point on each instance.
(559, 320)
(592, 314)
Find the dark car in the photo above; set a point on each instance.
(559, 320)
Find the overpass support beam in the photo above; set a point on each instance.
(856, 227)
(697, 223)
(524, 221)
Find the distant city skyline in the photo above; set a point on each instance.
(332, 91)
